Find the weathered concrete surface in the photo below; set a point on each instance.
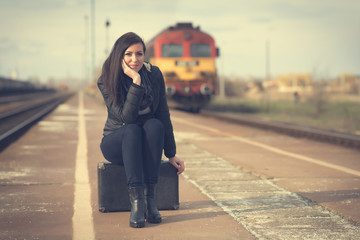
(36, 179)
(230, 190)
(238, 145)
(37, 188)
(197, 218)
(266, 210)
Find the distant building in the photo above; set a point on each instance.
(294, 82)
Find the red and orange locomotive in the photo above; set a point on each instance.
(186, 56)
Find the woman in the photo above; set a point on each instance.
(138, 126)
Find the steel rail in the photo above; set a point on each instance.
(16, 111)
(50, 104)
(23, 97)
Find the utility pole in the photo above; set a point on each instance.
(267, 60)
(86, 56)
(93, 57)
(222, 83)
(267, 77)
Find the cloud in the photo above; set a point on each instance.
(41, 5)
(8, 46)
(261, 20)
(52, 35)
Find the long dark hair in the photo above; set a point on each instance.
(112, 74)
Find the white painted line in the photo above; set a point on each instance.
(272, 149)
(264, 209)
(82, 219)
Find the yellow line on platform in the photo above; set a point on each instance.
(272, 149)
(82, 219)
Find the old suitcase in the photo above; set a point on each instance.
(113, 194)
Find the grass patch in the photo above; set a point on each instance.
(341, 116)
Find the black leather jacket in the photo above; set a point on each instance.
(128, 113)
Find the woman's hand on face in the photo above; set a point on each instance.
(178, 163)
(135, 76)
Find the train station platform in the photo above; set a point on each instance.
(44, 187)
(48, 181)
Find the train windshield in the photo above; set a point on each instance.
(172, 50)
(200, 50)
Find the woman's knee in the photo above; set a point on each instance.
(154, 125)
(132, 131)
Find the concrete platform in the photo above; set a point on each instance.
(230, 190)
(39, 177)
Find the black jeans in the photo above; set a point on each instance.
(138, 149)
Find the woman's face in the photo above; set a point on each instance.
(134, 56)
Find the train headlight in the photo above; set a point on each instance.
(186, 89)
(170, 90)
(205, 89)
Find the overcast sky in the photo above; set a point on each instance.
(48, 38)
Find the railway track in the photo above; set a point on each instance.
(15, 118)
(338, 138)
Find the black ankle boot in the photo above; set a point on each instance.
(137, 201)
(152, 213)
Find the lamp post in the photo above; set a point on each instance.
(107, 25)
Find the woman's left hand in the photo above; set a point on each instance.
(178, 163)
(135, 76)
